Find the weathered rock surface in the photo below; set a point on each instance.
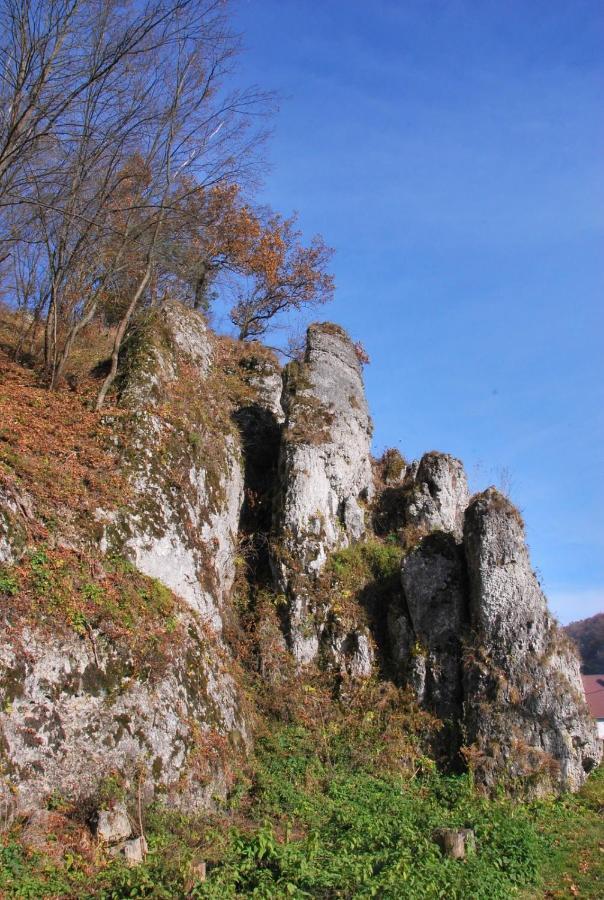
(134, 851)
(434, 586)
(325, 472)
(113, 825)
(436, 494)
(474, 639)
(16, 512)
(526, 716)
(74, 712)
(184, 464)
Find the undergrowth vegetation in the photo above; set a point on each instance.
(311, 823)
(66, 589)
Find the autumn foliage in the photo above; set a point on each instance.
(134, 180)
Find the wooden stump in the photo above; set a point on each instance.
(455, 842)
(197, 873)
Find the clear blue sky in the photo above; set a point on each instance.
(451, 151)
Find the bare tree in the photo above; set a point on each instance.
(51, 54)
(199, 130)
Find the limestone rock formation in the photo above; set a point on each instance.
(473, 638)
(225, 462)
(436, 494)
(183, 463)
(16, 513)
(427, 629)
(75, 710)
(525, 710)
(324, 472)
(434, 586)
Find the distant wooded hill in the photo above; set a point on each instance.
(588, 634)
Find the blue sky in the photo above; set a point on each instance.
(451, 151)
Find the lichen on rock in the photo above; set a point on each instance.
(75, 710)
(325, 473)
(525, 714)
(182, 456)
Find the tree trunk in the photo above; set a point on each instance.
(119, 336)
(73, 333)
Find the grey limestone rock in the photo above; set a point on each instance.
(181, 523)
(16, 513)
(325, 472)
(113, 825)
(434, 587)
(436, 494)
(75, 712)
(135, 850)
(525, 712)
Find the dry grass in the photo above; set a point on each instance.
(55, 448)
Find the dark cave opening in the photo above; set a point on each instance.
(261, 440)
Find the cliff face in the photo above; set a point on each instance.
(325, 477)
(525, 711)
(115, 648)
(183, 462)
(81, 701)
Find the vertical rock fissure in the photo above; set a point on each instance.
(261, 440)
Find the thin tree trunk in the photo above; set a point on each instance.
(73, 333)
(119, 336)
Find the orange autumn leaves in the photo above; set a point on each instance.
(214, 243)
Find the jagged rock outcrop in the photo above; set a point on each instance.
(473, 638)
(324, 473)
(417, 498)
(436, 494)
(183, 458)
(525, 712)
(76, 710)
(427, 628)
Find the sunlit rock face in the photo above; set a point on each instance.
(436, 494)
(325, 475)
(525, 712)
(76, 710)
(183, 464)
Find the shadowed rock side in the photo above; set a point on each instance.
(434, 586)
(325, 474)
(427, 629)
(525, 711)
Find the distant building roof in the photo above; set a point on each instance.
(593, 685)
